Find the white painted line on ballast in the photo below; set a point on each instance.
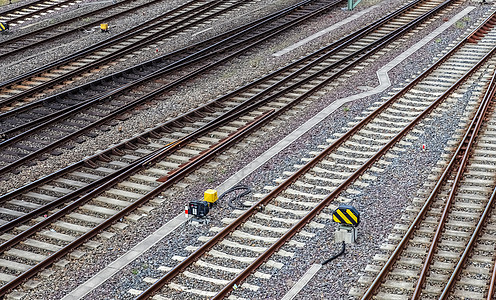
(166, 229)
(297, 133)
(117, 265)
(384, 83)
(302, 282)
(324, 31)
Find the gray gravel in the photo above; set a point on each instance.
(395, 189)
(181, 100)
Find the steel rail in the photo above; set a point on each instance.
(186, 117)
(117, 54)
(337, 45)
(198, 56)
(226, 117)
(222, 146)
(472, 133)
(114, 113)
(257, 206)
(23, 219)
(474, 130)
(275, 247)
(369, 48)
(33, 156)
(167, 180)
(80, 27)
(359, 55)
(33, 5)
(402, 244)
(492, 282)
(349, 37)
(145, 161)
(206, 47)
(487, 211)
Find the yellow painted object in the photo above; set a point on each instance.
(210, 196)
(4, 26)
(104, 27)
(346, 214)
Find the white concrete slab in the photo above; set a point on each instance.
(125, 259)
(324, 31)
(302, 282)
(382, 74)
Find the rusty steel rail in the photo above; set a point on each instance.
(178, 175)
(472, 132)
(206, 50)
(137, 101)
(33, 5)
(121, 52)
(256, 207)
(146, 161)
(305, 220)
(453, 163)
(57, 26)
(492, 283)
(185, 118)
(180, 58)
(487, 211)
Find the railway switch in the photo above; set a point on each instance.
(348, 218)
(104, 27)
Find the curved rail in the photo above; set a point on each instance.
(257, 207)
(459, 160)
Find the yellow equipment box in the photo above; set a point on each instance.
(104, 27)
(210, 196)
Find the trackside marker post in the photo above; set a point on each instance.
(348, 218)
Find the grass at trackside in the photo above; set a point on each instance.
(6, 2)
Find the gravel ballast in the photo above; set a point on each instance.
(393, 191)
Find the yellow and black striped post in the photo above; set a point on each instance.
(4, 26)
(346, 215)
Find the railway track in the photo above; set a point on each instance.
(213, 270)
(36, 9)
(18, 41)
(327, 63)
(124, 98)
(444, 246)
(85, 212)
(31, 85)
(139, 71)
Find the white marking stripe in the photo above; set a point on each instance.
(162, 232)
(325, 31)
(302, 282)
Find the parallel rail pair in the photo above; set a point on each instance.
(241, 109)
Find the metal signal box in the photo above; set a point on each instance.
(210, 196)
(198, 209)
